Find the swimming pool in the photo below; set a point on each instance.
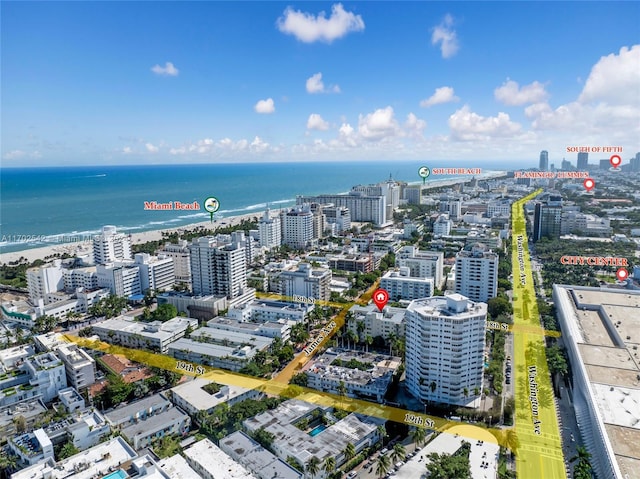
(317, 430)
(119, 474)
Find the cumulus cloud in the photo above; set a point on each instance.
(414, 125)
(309, 28)
(265, 106)
(14, 155)
(443, 94)
(151, 148)
(467, 125)
(167, 70)
(446, 36)
(378, 125)
(315, 122)
(510, 93)
(608, 106)
(615, 79)
(316, 85)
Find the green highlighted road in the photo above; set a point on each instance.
(539, 453)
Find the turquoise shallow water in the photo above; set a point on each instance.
(37, 203)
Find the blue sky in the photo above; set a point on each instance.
(182, 82)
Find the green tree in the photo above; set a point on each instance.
(383, 465)
(68, 450)
(313, 466)
(349, 451)
(164, 312)
(329, 464)
(419, 436)
(582, 469)
(398, 453)
(264, 438)
(499, 305)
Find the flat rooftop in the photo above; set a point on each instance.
(135, 409)
(98, 461)
(211, 458)
(192, 392)
(605, 323)
(177, 467)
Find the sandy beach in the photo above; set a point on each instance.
(84, 246)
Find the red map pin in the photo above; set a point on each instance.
(589, 184)
(622, 274)
(381, 298)
(615, 161)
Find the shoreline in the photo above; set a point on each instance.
(84, 246)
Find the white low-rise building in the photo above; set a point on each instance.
(385, 323)
(210, 462)
(125, 331)
(193, 398)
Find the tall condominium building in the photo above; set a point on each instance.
(363, 207)
(389, 189)
(181, 257)
(217, 270)
(156, 272)
(452, 206)
(111, 246)
(547, 221)
(445, 338)
(400, 285)
(305, 281)
(270, 231)
(122, 279)
(544, 160)
(43, 280)
(635, 162)
(421, 264)
(297, 227)
(477, 273)
(583, 161)
(442, 226)
(338, 215)
(319, 220)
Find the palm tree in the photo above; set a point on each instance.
(360, 327)
(433, 386)
(582, 469)
(353, 336)
(329, 465)
(419, 435)
(382, 432)
(391, 339)
(383, 465)
(313, 466)
(369, 341)
(349, 451)
(398, 453)
(465, 391)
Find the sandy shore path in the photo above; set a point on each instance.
(84, 245)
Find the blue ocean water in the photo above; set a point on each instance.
(44, 202)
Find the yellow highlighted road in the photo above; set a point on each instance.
(277, 388)
(536, 425)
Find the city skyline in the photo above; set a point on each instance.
(278, 82)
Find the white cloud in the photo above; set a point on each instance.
(347, 135)
(443, 94)
(378, 125)
(309, 28)
(151, 148)
(467, 125)
(608, 108)
(414, 125)
(265, 106)
(510, 93)
(14, 155)
(446, 36)
(167, 70)
(315, 122)
(258, 145)
(316, 85)
(615, 79)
